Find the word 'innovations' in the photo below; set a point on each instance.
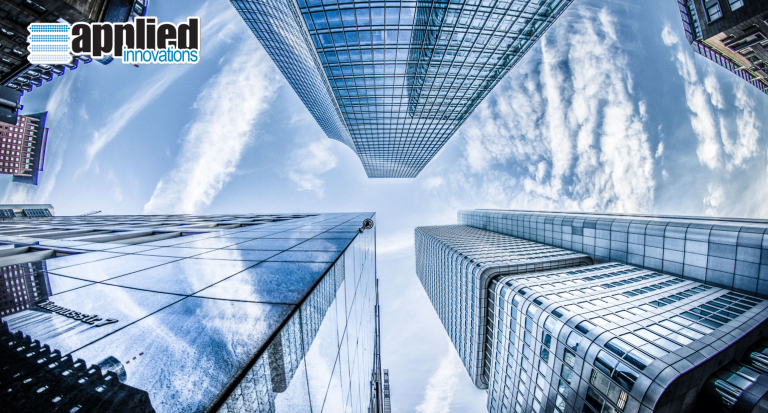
(142, 36)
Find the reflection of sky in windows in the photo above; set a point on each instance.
(407, 75)
(534, 350)
(728, 253)
(453, 262)
(299, 327)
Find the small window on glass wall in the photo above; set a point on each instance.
(736, 4)
(546, 339)
(584, 327)
(550, 324)
(573, 340)
(713, 9)
(569, 358)
(544, 354)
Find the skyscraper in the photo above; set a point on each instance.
(395, 81)
(15, 17)
(573, 327)
(725, 252)
(22, 150)
(21, 285)
(26, 210)
(387, 405)
(260, 313)
(9, 104)
(731, 33)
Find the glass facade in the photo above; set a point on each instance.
(729, 253)
(456, 263)
(257, 313)
(741, 382)
(403, 75)
(607, 338)
(572, 336)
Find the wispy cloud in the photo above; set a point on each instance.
(747, 129)
(57, 107)
(699, 99)
(223, 127)
(395, 243)
(564, 130)
(713, 200)
(306, 164)
(219, 21)
(442, 384)
(720, 143)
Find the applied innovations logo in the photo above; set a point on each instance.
(140, 42)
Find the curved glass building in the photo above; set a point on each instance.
(549, 321)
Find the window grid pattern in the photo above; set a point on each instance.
(720, 252)
(280, 31)
(455, 263)
(539, 360)
(404, 74)
(319, 351)
(692, 28)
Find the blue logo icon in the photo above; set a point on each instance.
(49, 44)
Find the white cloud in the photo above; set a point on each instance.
(433, 182)
(307, 163)
(660, 150)
(712, 86)
(699, 99)
(747, 129)
(711, 122)
(713, 200)
(442, 384)
(669, 37)
(57, 107)
(223, 127)
(219, 19)
(395, 243)
(564, 131)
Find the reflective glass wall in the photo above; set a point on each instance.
(259, 313)
(725, 252)
(322, 360)
(404, 74)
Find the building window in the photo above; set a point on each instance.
(713, 10)
(736, 4)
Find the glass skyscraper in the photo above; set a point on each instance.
(552, 326)
(395, 80)
(230, 313)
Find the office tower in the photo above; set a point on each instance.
(70, 384)
(731, 33)
(724, 252)
(546, 325)
(25, 210)
(387, 408)
(23, 147)
(395, 81)
(21, 285)
(9, 104)
(260, 313)
(15, 16)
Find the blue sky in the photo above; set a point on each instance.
(611, 111)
